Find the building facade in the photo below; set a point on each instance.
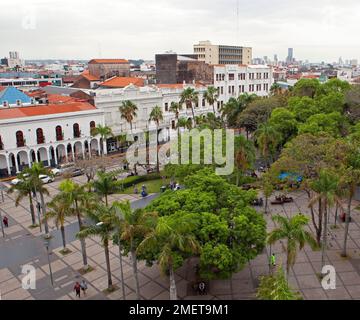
(222, 54)
(234, 80)
(51, 134)
(104, 69)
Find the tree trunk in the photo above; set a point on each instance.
(157, 149)
(193, 113)
(106, 200)
(62, 229)
(173, 291)
(214, 108)
(135, 271)
(43, 209)
(121, 272)
(32, 210)
(347, 223)
(82, 240)
(287, 264)
(324, 244)
(336, 213)
(319, 233)
(107, 259)
(266, 204)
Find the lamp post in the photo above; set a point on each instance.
(47, 244)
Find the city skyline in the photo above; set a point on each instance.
(140, 29)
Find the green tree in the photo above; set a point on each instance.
(104, 132)
(189, 96)
(136, 224)
(156, 115)
(268, 138)
(211, 95)
(59, 209)
(244, 156)
(326, 187)
(80, 201)
(307, 87)
(174, 241)
(101, 216)
(24, 189)
(33, 177)
(106, 184)
(285, 123)
(303, 107)
(292, 230)
(175, 108)
(276, 287)
(128, 111)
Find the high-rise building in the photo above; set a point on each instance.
(14, 60)
(290, 57)
(222, 54)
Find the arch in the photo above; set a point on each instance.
(78, 150)
(69, 152)
(12, 164)
(40, 136)
(59, 133)
(1, 144)
(3, 166)
(76, 130)
(20, 142)
(94, 147)
(22, 160)
(92, 125)
(52, 159)
(42, 156)
(60, 153)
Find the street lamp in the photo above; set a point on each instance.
(47, 244)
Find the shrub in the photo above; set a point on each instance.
(130, 181)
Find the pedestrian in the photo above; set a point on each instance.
(273, 260)
(83, 286)
(77, 289)
(6, 222)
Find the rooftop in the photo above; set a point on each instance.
(42, 110)
(122, 82)
(11, 95)
(108, 61)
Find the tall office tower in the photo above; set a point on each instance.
(290, 57)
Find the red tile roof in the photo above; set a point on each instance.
(86, 74)
(57, 98)
(2, 88)
(43, 110)
(109, 61)
(122, 82)
(177, 85)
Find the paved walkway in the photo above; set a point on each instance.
(23, 245)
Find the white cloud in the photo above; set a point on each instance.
(321, 29)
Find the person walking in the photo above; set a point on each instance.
(273, 260)
(6, 222)
(83, 286)
(77, 289)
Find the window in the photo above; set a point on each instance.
(18, 103)
(222, 90)
(231, 76)
(20, 139)
(203, 102)
(166, 106)
(76, 130)
(258, 87)
(59, 133)
(40, 136)
(173, 126)
(266, 87)
(5, 104)
(92, 125)
(1, 144)
(251, 87)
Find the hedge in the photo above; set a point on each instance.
(131, 181)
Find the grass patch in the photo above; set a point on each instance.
(334, 227)
(110, 290)
(33, 226)
(83, 271)
(151, 186)
(357, 208)
(64, 252)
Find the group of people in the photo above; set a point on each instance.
(143, 191)
(80, 286)
(174, 186)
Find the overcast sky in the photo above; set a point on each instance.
(82, 29)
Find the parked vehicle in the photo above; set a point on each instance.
(46, 179)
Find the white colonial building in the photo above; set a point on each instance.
(49, 133)
(234, 80)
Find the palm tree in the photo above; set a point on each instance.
(189, 96)
(58, 209)
(101, 216)
(292, 230)
(156, 115)
(268, 138)
(211, 95)
(24, 189)
(106, 184)
(176, 107)
(105, 132)
(171, 238)
(235, 106)
(275, 89)
(326, 187)
(135, 224)
(80, 201)
(128, 111)
(33, 176)
(350, 181)
(244, 156)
